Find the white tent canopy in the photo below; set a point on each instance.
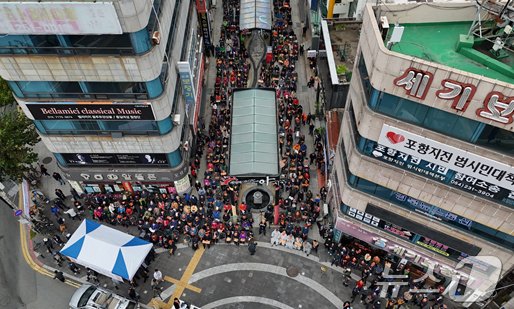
(106, 250)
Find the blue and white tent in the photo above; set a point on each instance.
(106, 250)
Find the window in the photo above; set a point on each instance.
(446, 123)
(100, 127)
(424, 168)
(90, 90)
(371, 188)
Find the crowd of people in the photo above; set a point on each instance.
(212, 211)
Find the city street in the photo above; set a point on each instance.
(20, 285)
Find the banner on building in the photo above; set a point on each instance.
(80, 159)
(62, 18)
(90, 111)
(186, 79)
(450, 157)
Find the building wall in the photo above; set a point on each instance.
(99, 68)
(385, 66)
(356, 199)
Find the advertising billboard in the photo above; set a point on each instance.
(91, 111)
(453, 158)
(60, 18)
(81, 159)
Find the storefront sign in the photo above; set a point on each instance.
(182, 185)
(130, 176)
(80, 159)
(450, 157)
(430, 211)
(496, 106)
(440, 173)
(91, 111)
(59, 18)
(186, 79)
(379, 223)
(206, 28)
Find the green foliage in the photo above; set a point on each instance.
(6, 97)
(17, 137)
(341, 69)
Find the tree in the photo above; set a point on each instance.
(17, 138)
(6, 97)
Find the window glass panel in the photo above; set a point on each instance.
(497, 139)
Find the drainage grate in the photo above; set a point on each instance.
(292, 271)
(47, 160)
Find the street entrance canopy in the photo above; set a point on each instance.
(106, 250)
(255, 14)
(253, 142)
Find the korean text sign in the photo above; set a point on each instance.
(450, 157)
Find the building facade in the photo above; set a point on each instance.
(113, 88)
(424, 166)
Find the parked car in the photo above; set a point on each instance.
(92, 297)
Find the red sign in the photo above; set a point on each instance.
(201, 6)
(415, 82)
(496, 106)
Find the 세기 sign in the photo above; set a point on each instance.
(450, 157)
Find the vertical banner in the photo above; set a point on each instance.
(201, 6)
(188, 90)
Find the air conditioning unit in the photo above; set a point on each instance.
(176, 119)
(156, 38)
(116, 135)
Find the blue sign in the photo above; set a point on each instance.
(186, 79)
(18, 212)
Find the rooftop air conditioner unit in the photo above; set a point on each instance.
(116, 135)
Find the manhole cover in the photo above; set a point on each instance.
(292, 271)
(305, 88)
(47, 160)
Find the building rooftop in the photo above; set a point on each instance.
(343, 37)
(439, 42)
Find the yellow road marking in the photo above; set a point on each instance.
(26, 254)
(188, 273)
(182, 284)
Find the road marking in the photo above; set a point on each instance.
(188, 273)
(180, 283)
(260, 267)
(25, 250)
(246, 299)
(178, 287)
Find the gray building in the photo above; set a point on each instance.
(424, 165)
(113, 87)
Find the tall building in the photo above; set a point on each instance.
(113, 87)
(424, 166)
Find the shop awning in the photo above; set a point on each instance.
(255, 14)
(253, 142)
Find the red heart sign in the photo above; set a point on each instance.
(395, 138)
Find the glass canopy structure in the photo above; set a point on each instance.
(255, 14)
(253, 142)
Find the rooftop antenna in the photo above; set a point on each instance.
(493, 23)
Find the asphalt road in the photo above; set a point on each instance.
(20, 285)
